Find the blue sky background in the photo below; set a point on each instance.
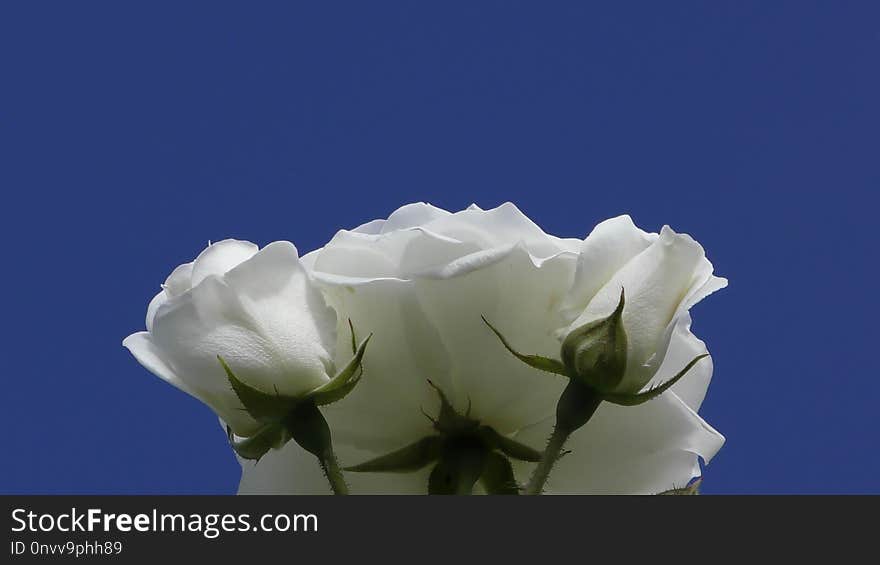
(129, 137)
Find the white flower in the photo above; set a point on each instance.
(661, 276)
(258, 309)
(420, 281)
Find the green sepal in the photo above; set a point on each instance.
(508, 446)
(690, 490)
(309, 429)
(442, 479)
(457, 471)
(329, 397)
(406, 459)
(497, 477)
(341, 384)
(270, 436)
(354, 347)
(535, 361)
(653, 392)
(449, 421)
(595, 353)
(262, 406)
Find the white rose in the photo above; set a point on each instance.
(258, 309)
(661, 277)
(420, 281)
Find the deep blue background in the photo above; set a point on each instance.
(130, 137)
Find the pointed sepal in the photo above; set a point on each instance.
(253, 447)
(331, 396)
(535, 361)
(508, 446)
(497, 477)
(344, 381)
(449, 421)
(309, 429)
(595, 353)
(653, 392)
(407, 459)
(354, 342)
(354, 348)
(261, 406)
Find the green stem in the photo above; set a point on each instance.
(576, 406)
(331, 469)
(309, 429)
(548, 459)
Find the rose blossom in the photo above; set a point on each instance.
(421, 280)
(258, 309)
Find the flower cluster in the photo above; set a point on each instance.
(442, 350)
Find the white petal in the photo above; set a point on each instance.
(372, 227)
(421, 240)
(141, 345)
(143, 348)
(431, 251)
(610, 246)
(220, 257)
(179, 281)
(290, 313)
(521, 299)
(157, 301)
(264, 317)
(401, 254)
(701, 291)
(472, 262)
(308, 260)
(366, 256)
(191, 330)
(412, 215)
(683, 348)
(209, 321)
(643, 449)
(500, 227)
(384, 411)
